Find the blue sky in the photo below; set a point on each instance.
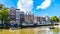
(52, 9)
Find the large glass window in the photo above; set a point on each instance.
(17, 15)
(18, 21)
(12, 22)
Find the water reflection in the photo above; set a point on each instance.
(31, 31)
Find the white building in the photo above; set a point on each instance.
(14, 15)
(18, 16)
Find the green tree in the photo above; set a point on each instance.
(3, 13)
(59, 20)
(55, 18)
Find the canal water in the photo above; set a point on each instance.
(36, 30)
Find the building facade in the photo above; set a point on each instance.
(22, 17)
(12, 15)
(18, 16)
(45, 20)
(38, 19)
(29, 17)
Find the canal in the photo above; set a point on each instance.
(37, 30)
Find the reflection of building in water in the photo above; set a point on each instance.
(59, 25)
(41, 31)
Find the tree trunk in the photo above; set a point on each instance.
(2, 20)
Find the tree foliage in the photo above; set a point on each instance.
(3, 13)
(55, 19)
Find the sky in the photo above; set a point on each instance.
(37, 7)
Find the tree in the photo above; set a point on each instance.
(3, 13)
(55, 18)
(59, 20)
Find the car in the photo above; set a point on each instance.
(41, 23)
(13, 25)
(4, 26)
(1, 25)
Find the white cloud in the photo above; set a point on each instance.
(45, 4)
(25, 5)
